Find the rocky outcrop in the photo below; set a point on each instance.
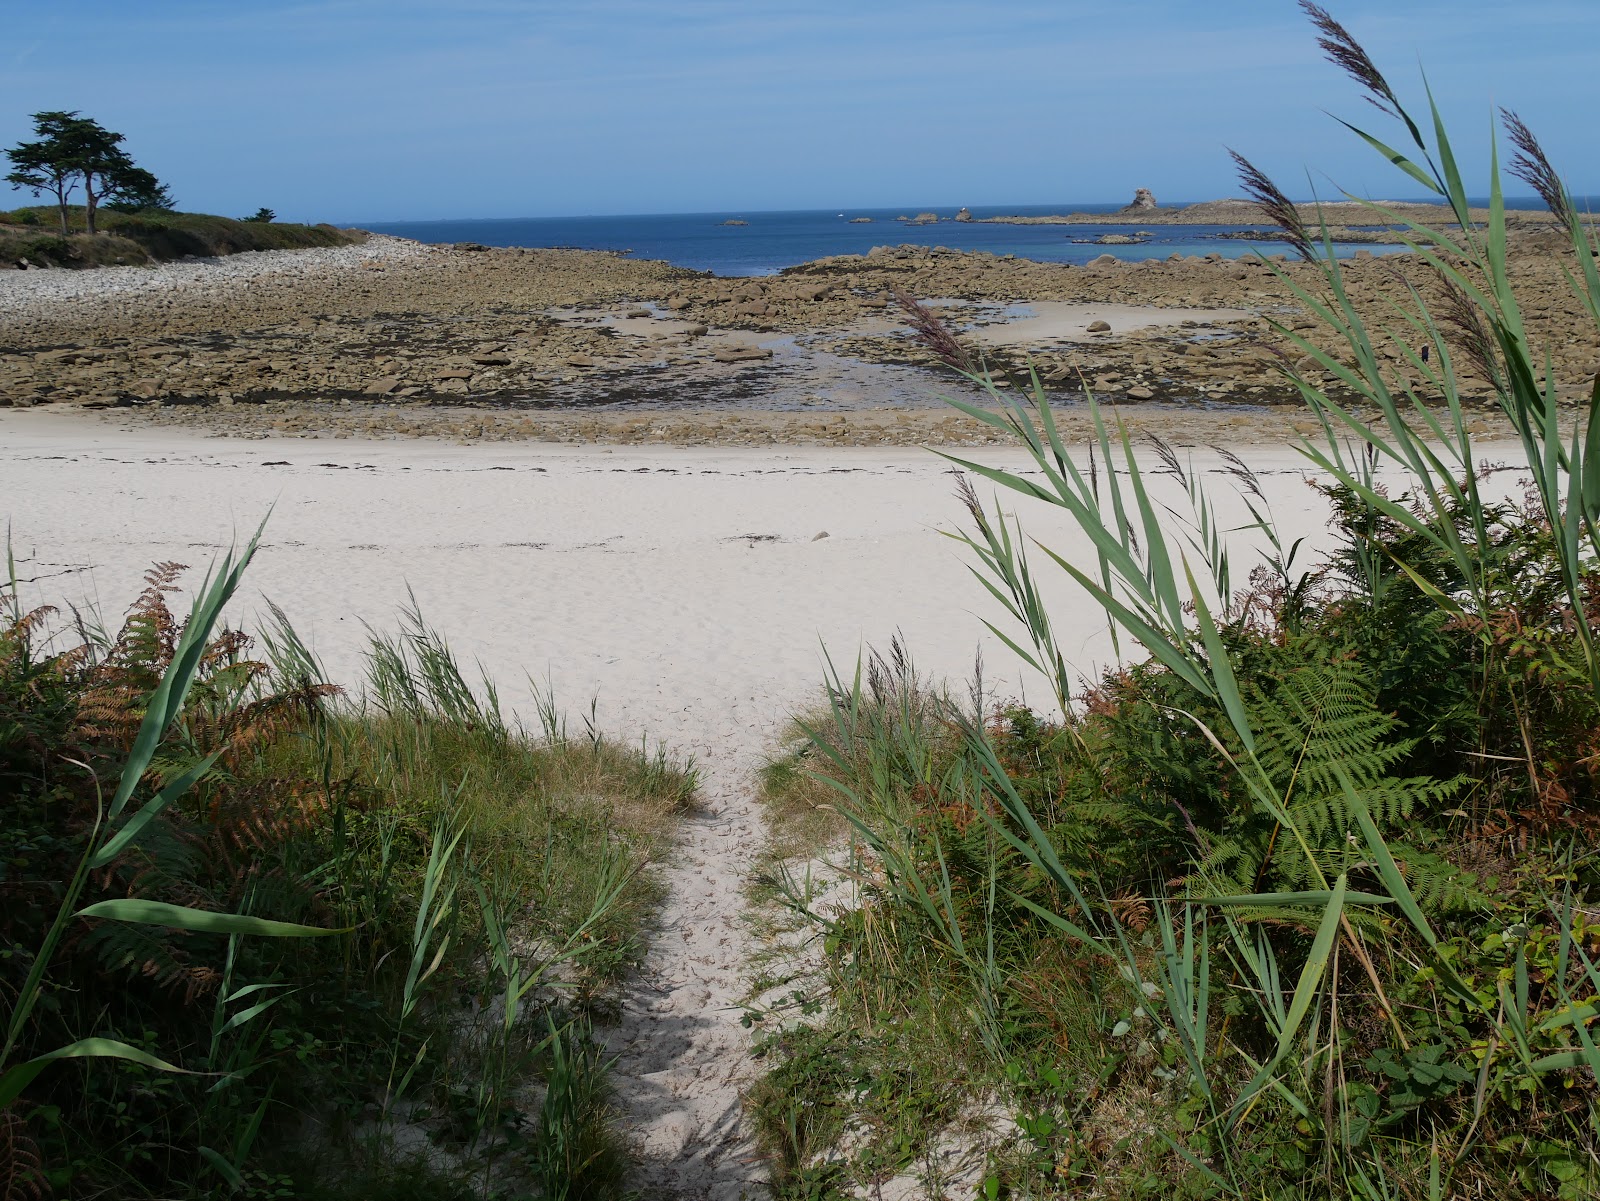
(1143, 202)
(965, 214)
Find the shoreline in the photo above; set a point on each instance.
(398, 338)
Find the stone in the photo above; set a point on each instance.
(1140, 393)
(492, 360)
(819, 537)
(1143, 201)
(454, 373)
(965, 214)
(1099, 327)
(381, 387)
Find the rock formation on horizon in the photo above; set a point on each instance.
(1143, 201)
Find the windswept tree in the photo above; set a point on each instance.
(137, 190)
(41, 167)
(73, 151)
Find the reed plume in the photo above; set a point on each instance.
(1532, 167)
(935, 334)
(1274, 205)
(1346, 53)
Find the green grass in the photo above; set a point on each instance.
(33, 234)
(486, 889)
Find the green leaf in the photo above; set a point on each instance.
(181, 784)
(1273, 900)
(224, 1169)
(1591, 456)
(19, 1077)
(159, 913)
(1395, 157)
(166, 702)
(1311, 976)
(1056, 920)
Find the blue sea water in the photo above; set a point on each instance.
(775, 240)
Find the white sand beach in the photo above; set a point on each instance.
(691, 590)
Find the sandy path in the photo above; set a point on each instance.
(688, 588)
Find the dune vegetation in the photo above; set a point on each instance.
(264, 937)
(29, 235)
(1302, 900)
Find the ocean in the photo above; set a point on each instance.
(772, 241)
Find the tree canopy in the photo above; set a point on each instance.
(74, 152)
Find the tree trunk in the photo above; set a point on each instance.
(61, 203)
(88, 199)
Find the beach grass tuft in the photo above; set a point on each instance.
(273, 937)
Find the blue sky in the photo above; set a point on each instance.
(351, 110)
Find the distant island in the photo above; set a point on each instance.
(1238, 211)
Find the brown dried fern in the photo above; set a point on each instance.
(22, 1175)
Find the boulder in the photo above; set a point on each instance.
(1099, 327)
(1143, 201)
(965, 214)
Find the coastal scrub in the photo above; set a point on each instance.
(270, 937)
(1298, 901)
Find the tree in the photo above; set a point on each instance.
(43, 166)
(262, 215)
(74, 151)
(137, 190)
